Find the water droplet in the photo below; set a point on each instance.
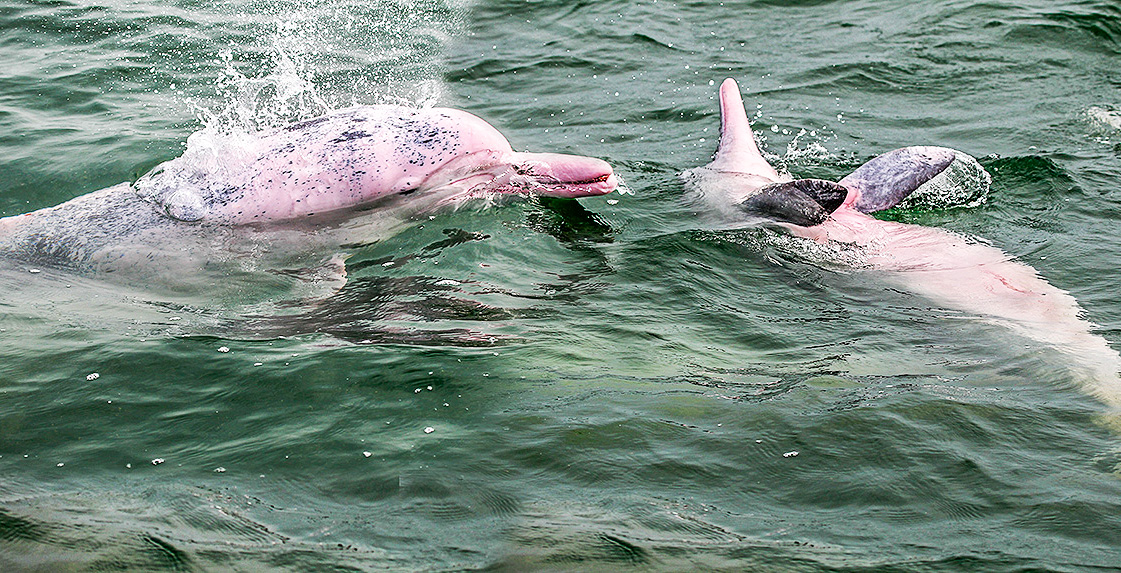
(93, 376)
(429, 430)
(790, 454)
(157, 461)
(223, 349)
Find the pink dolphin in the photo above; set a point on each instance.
(951, 270)
(360, 162)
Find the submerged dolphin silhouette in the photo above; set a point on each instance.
(368, 162)
(944, 267)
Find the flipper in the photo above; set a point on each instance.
(805, 202)
(888, 179)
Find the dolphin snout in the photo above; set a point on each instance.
(567, 175)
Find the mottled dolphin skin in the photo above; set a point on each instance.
(946, 268)
(372, 163)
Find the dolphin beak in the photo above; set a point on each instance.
(558, 175)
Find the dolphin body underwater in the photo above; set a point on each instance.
(341, 179)
(948, 269)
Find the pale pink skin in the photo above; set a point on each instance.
(355, 156)
(963, 275)
(341, 178)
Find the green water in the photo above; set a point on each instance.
(609, 384)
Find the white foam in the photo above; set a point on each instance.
(1102, 117)
(965, 183)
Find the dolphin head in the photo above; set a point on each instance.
(489, 166)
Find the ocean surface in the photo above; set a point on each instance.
(607, 384)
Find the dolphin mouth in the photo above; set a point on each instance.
(600, 185)
(600, 179)
(558, 175)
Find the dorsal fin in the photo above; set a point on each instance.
(737, 151)
(805, 202)
(889, 178)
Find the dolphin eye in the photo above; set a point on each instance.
(523, 169)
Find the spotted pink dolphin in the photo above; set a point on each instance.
(369, 162)
(954, 271)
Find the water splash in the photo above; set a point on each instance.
(806, 147)
(285, 94)
(1104, 118)
(248, 106)
(965, 183)
(314, 58)
(1105, 123)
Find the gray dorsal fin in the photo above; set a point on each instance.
(804, 202)
(889, 178)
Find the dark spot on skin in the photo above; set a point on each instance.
(350, 135)
(306, 124)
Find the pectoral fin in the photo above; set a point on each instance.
(888, 179)
(804, 202)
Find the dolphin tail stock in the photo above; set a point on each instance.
(737, 151)
(889, 178)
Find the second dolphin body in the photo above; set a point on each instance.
(946, 268)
